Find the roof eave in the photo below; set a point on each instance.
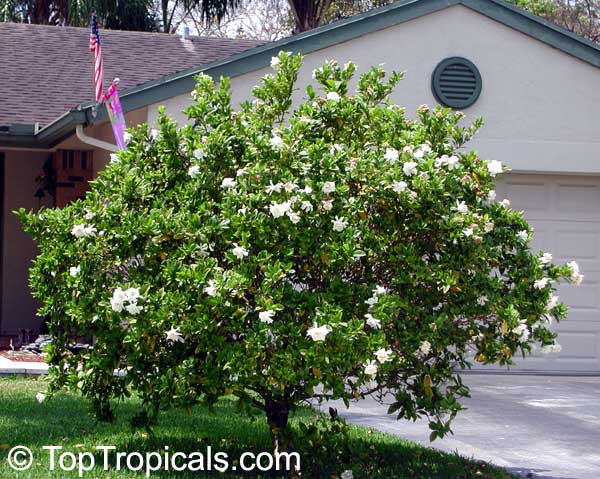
(50, 135)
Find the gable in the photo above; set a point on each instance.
(537, 101)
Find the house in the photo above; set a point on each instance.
(535, 85)
(45, 73)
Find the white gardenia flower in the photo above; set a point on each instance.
(339, 224)
(482, 300)
(289, 186)
(266, 316)
(453, 162)
(83, 231)
(522, 331)
(40, 397)
(74, 270)
(399, 186)
(546, 258)
(239, 251)
(211, 289)
(425, 347)
(174, 335)
(573, 266)
(133, 308)
(494, 167)
(380, 290)
(132, 294)
(505, 203)
(318, 333)
(576, 276)
(279, 209)
(114, 158)
(552, 303)
(127, 137)
(194, 171)
(276, 141)
(409, 168)
(441, 161)
(391, 154)
(371, 368)
(329, 187)
(199, 153)
(228, 183)
(118, 299)
(373, 322)
(491, 196)
(294, 217)
(462, 207)
(347, 474)
(541, 283)
(327, 205)
(240, 172)
(307, 190)
(306, 206)
(373, 300)
(275, 61)
(523, 235)
(551, 348)
(273, 188)
(333, 96)
(468, 232)
(422, 151)
(383, 355)
(154, 133)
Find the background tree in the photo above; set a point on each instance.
(267, 20)
(130, 15)
(578, 16)
(261, 19)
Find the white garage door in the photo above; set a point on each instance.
(565, 214)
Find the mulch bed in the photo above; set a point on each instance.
(22, 356)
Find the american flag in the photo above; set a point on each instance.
(97, 49)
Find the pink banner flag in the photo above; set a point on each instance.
(115, 114)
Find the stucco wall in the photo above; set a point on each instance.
(104, 132)
(21, 168)
(18, 306)
(539, 104)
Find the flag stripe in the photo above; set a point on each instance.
(98, 66)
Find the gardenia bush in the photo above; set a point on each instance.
(328, 251)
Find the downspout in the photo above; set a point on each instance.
(88, 140)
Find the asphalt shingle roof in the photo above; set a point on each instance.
(47, 70)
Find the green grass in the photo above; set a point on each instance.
(65, 421)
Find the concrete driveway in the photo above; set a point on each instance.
(539, 426)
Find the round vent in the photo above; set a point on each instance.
(456, 82)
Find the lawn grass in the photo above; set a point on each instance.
(65, 421)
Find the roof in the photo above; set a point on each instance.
(47, 70)
(182, 82)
